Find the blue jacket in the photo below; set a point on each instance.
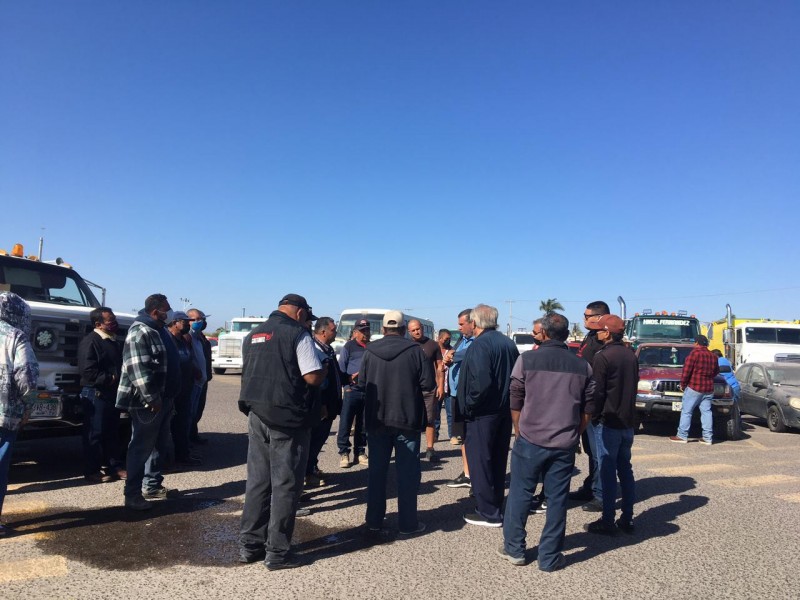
(483, 386)
(455, 367)
(726, 370)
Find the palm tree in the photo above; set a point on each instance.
(550, 305)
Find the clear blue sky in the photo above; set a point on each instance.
(415, 155)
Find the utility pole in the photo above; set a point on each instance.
(186, 302)
(510, 316)
(243, 312)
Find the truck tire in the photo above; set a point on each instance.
(775, 419)
(733, 428)
(219, 371)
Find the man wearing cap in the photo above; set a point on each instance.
(353, 401)
(280, 370)
(697, 383)
(592, 488)
(181, 422)
(616, 376)
(199, 323)
(394, 373)
(483, 399)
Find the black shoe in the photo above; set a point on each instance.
(199, 440)
(476, 519)
(462, 481)
(539, 506)
(288, 562)
(246, 557)
(626, 526)
(594, 505)
(430, 455)
(189, 461)
(581, 494)
(302, 512)
(600, 527)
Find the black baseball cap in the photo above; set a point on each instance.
(298, 301)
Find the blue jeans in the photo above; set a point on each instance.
(448, 408)
(352, 410)
(529, 463)
(276, 461)
(614, 455)
(406, 462)
(150, 442)
(692, 400)
(7, 437)
(594, 467)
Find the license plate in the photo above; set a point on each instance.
(674, 394)
(47, 409)
(677, 406)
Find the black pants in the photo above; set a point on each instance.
(201, 405)
(100, 431)
(319, 435)
(486, 440)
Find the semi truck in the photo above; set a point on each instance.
(755, 340)
(60, 301)
(229, 347)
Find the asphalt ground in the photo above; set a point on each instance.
(711, 522)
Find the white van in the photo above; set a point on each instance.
(349, 316)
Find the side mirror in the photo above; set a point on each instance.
(727, 336)
(759, 385)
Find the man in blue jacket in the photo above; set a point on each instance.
(483, 399)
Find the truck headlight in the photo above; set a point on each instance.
(645, 386)
(794, 402)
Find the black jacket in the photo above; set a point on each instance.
(272, 385)
(590, 346)
(616, 376)
(100, 364)
(483, 384)
(393, 374)
(331, 390)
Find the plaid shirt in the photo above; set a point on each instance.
(699, 370)
(144, 368)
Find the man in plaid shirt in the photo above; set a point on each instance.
(697, 383)
(144, 392)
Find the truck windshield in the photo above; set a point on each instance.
(663, 356)
(772, 335)
(523, 339)
(245, 325)
(665, 328)
(40, 282)
(346, 322)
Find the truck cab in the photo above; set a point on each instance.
(229, 348)
(60, 301)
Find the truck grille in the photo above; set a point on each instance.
(668, 386)
(787, 358)
(230, 348)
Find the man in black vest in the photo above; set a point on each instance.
(280, 366)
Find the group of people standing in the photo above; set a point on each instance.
(291, 390)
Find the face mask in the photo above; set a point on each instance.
(110, 328)
(198, 326)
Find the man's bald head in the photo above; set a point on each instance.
(415, 330)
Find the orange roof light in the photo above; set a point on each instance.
(17, 251)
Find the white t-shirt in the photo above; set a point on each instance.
(307, 358)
